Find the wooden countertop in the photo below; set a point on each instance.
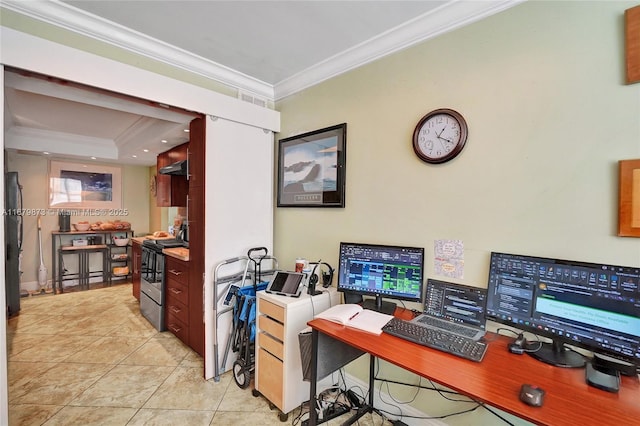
(177, 252)
(151, 237)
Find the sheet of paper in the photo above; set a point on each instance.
(449, 258)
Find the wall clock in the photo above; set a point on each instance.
(440, 136)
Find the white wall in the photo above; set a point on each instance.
(240, 213)
(4, 389)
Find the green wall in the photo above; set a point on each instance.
(542, 88)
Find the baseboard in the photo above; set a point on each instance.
(31, 286)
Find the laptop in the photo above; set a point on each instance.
(455, 308)
(286, 283)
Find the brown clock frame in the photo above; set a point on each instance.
(464, 132)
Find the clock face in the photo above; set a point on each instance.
(440, 136)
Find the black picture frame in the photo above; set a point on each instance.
(311, 168)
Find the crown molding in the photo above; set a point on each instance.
(448, 17)
(64, 16)
(59, 143)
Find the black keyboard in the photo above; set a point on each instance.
(449, 326)
(436, 339)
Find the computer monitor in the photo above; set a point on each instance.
(381, 271)
(588, 305)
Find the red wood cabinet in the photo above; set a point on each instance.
(136, 252)
(177, 298)
(172, 190)
(196, 234)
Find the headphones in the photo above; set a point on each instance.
(327, 277)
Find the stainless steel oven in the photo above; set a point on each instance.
(152, 283)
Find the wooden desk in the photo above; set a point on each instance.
(496, 380)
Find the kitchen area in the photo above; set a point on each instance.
(165, 263)
(157, 262)
(89, 128)
(160, 268)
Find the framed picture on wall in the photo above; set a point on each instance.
(311, 168)
(85, 186)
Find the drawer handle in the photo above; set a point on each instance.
(174, 290)
(174, 309)
(174, 272)
(174, 328)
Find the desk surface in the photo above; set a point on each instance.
(497, 379)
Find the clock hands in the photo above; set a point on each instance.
(439, 137)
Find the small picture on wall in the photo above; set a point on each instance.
(311, 168)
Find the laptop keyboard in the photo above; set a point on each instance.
(436, 339)
(448, 326)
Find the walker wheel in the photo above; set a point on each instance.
(241, 375)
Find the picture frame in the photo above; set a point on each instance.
(629, 198)
(84, 186)
(311, 168)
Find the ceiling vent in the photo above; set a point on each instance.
(252, 99)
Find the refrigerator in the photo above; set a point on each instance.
(13, 231)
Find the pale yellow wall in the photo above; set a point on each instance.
(32, 173)
(541, 87)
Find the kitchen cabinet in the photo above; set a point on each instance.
(136, 262)
(171, 190)
(177, 298)
(196, 215)
(278, 363)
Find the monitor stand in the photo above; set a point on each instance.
(557, 354)
(379, 305)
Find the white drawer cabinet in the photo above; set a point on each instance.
(280, 319)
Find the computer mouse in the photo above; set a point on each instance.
(532, 395)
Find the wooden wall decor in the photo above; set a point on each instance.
(632, 43)
(629, 200)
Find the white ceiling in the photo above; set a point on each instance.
(61, 120)
(268, 49)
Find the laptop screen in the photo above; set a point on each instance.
(455, 302)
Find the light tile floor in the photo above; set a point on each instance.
(90, 358)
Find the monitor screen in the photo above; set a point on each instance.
(593, 306)
(381, 271)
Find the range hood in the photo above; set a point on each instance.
(178, 168)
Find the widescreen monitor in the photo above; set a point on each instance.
(381, 271)
(588, 305)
